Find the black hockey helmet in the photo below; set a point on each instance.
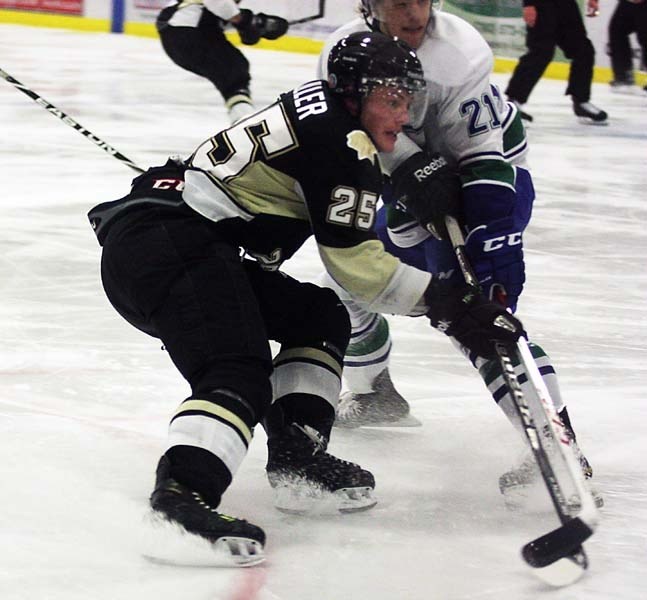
(363, 60)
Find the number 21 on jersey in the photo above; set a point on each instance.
(482, 113)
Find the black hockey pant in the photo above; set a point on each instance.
(207, 52)
(628, 18)
(171, 274)
(560, 24)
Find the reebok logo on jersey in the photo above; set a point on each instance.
(310, 99)
(430, 169)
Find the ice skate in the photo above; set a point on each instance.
(522, 113)
(589, 113)
(307, 479)
(184, 530)
(623, 86)
(383, 407)
(517, 484)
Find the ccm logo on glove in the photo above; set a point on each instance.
(496, 243)
(430, 169)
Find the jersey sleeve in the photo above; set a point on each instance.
(476, 139)
(224, 9)
(464, 119)
(341, 188)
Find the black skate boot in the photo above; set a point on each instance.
(188, 531)
(623, 85)
(589, 113)
(383, 407)
(306, 478)
(522, 113)
(516, 483)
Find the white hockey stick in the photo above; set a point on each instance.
(558, 555)
(57, 112)
(319, 14)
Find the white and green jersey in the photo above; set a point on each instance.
(465, 118)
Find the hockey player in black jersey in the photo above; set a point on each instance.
(192, 256)
(192, 33)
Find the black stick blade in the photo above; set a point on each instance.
(559, 543)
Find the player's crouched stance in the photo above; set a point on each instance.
(191, 256)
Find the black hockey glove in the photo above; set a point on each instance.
(429, 189)
(252, 28)
(271, 26)
(463, 312)
(249, 33)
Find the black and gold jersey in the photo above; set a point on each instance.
(302, 166)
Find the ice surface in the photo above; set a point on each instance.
(85, 399)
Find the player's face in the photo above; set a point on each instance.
(384, 111)
(406, 19)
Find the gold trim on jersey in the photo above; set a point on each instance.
(262, 189)
(364, 270)
(226, 415)
(313, 354)
(359, 141)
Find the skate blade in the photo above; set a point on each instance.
(168, 543)
(627, 90)
(406, 421)
(306, 499)
(588, 121)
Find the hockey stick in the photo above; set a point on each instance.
(48, 106)
(311, 17)
(558, 554)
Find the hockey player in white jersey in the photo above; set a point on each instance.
(467, 124)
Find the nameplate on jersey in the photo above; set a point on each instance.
(310, 99)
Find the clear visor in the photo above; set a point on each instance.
(410, 90)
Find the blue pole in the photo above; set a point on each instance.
(118, 10)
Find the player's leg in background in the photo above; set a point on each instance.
(491, 371)
(573, 40)
(514, 483)
(540, 41)
(620, 48)
(206, 52)
(640, 24)
(371, 398)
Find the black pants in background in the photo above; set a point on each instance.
(559, 24)
(627, 18)
(207, 52)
